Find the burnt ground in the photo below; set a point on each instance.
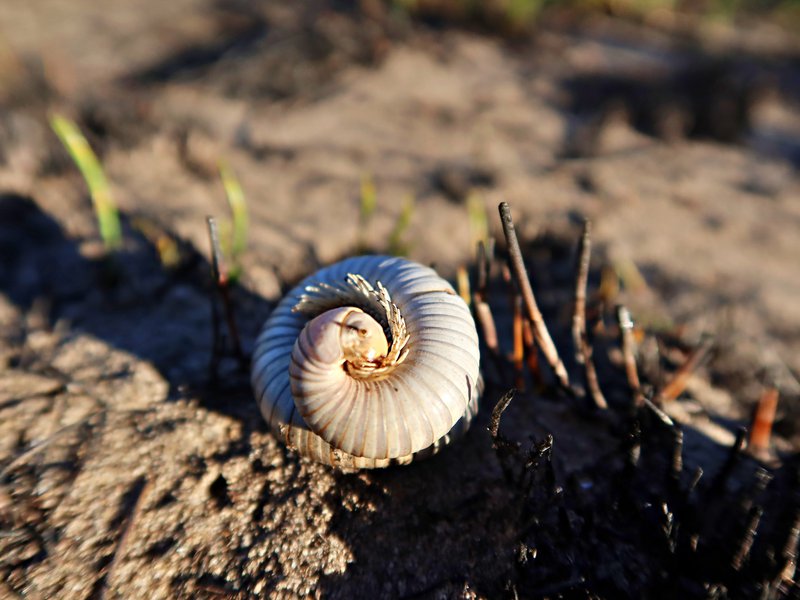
(129, 470)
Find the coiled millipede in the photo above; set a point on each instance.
(369, 362)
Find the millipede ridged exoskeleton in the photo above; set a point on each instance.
(369, 362)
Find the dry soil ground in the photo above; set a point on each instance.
(127, 473)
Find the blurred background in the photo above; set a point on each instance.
(399, 126)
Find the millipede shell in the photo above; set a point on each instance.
(427, 399)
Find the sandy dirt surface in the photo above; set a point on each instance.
(127, 473)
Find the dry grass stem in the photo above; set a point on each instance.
(583, 349)
(677, 383)
(517, 267)
(483, 312)
(581, 280)
(629, 354)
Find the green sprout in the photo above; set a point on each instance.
(99, 188)
(236, 240)
(396, 244)
(478, 222)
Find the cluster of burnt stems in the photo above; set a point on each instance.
(636, 522)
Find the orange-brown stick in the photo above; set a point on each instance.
(761, 430)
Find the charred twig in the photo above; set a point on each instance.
(677, 383)
(520, 274)
(543, 451)
(583, 349)
(626, 341)
(716, 490)
(693, 483)
(743, 552)
(662, 416)
(497, 414)
(763, 419)
(790, 551)
(502, 446)
(734, 455)
(221, 281)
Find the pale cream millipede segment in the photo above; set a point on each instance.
(369, 362)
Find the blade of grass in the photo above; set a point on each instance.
(396, 244)
(478, 221)
(238, 204)
(99, 189)
(369, 199)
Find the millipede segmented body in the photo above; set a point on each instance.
(369, 362)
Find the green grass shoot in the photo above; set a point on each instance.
(99, 188)
(478, 221)
(397, 246)
(368, 200)
(236, 240)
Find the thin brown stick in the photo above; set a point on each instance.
(221, 281)
(626, 341)
(680, 378)
(521, 276)
(761, 429)
(581, 281)
(592, 381)
(483, 313)
(583, 349)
